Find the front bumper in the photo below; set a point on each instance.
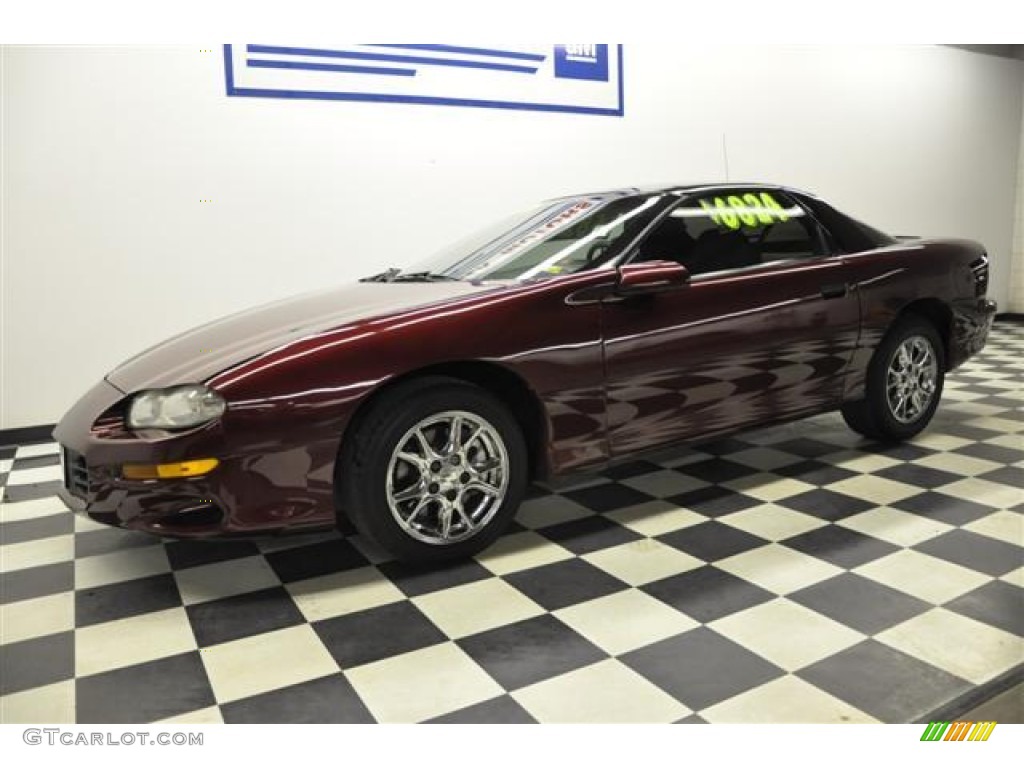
(246, 494)
(972, 322)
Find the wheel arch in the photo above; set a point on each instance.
(508, 386)
(936, 312)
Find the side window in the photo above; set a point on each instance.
(733, 230)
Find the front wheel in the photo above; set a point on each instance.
(904, 383)
(435, 472)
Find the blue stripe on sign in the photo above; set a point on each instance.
(401, 59)
(355, 69)
(460, 49)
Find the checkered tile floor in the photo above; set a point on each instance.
(789, 574)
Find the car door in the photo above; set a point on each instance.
(762, 332)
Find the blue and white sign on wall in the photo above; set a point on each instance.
(585, 78)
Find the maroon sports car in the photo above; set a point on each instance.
(419, 403)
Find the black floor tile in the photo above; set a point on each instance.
(520, 654)
(716, 470)
(189, 554)
(724, 447)
(953, 426)
(42, 580)
(707, 593)
(840, 546)
(377, 633)
(692, 720)
(815, 472)
(35, 662)
(887, 684)
(630, 469)
(38, 528)
(502, 710)
(144, 692)
(712, 540)
(996, 603)
(901, 451)
(317, 559)
(589, 534)
(861, 603)
(607, 497)
(971, 550)
(415, 580)
(564, 583)
(328, 699)
(826, 505)
(252, 613)
(1011, 476)
(701, 668)
(713, 501)
(997, 453)
(125, 598)
(918, 476)
(944, 508)
(806, 448)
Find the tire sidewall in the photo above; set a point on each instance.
(369, 507)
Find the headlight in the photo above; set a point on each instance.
(175, 408)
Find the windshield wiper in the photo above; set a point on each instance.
(421, 277)
(384, 277)
(395, 275)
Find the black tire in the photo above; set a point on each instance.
(874, 416)
(365, 465)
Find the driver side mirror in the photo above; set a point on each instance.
(651, 277)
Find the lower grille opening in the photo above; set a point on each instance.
(202, 516)
(76, 474)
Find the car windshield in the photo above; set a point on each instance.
(559, 237)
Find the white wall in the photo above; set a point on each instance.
(1016, 298)
(108, 152)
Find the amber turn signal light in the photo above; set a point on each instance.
(192, 468)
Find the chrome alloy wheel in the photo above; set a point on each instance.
(911, 379)
(447, 477)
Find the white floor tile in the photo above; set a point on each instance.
(964, 647)
(923, 576)
(606, 692)
(336, 594)
(265, 662)
(785, 700)
(778, 568)
(422, 685)
(787, 634)
(476, 607)
(625, 620)
(897, 527)
(519, 551)
(642, 561)
(134, 640)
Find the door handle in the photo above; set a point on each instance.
(834, 290)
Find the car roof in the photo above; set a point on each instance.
(681, 189)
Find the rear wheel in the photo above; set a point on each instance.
(435, 471)
(904, 383)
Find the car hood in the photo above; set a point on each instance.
(198, 354)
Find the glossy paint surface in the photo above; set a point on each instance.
(605, 374)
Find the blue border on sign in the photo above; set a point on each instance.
(271, 93)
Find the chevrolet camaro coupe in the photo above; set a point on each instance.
(418, 404)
